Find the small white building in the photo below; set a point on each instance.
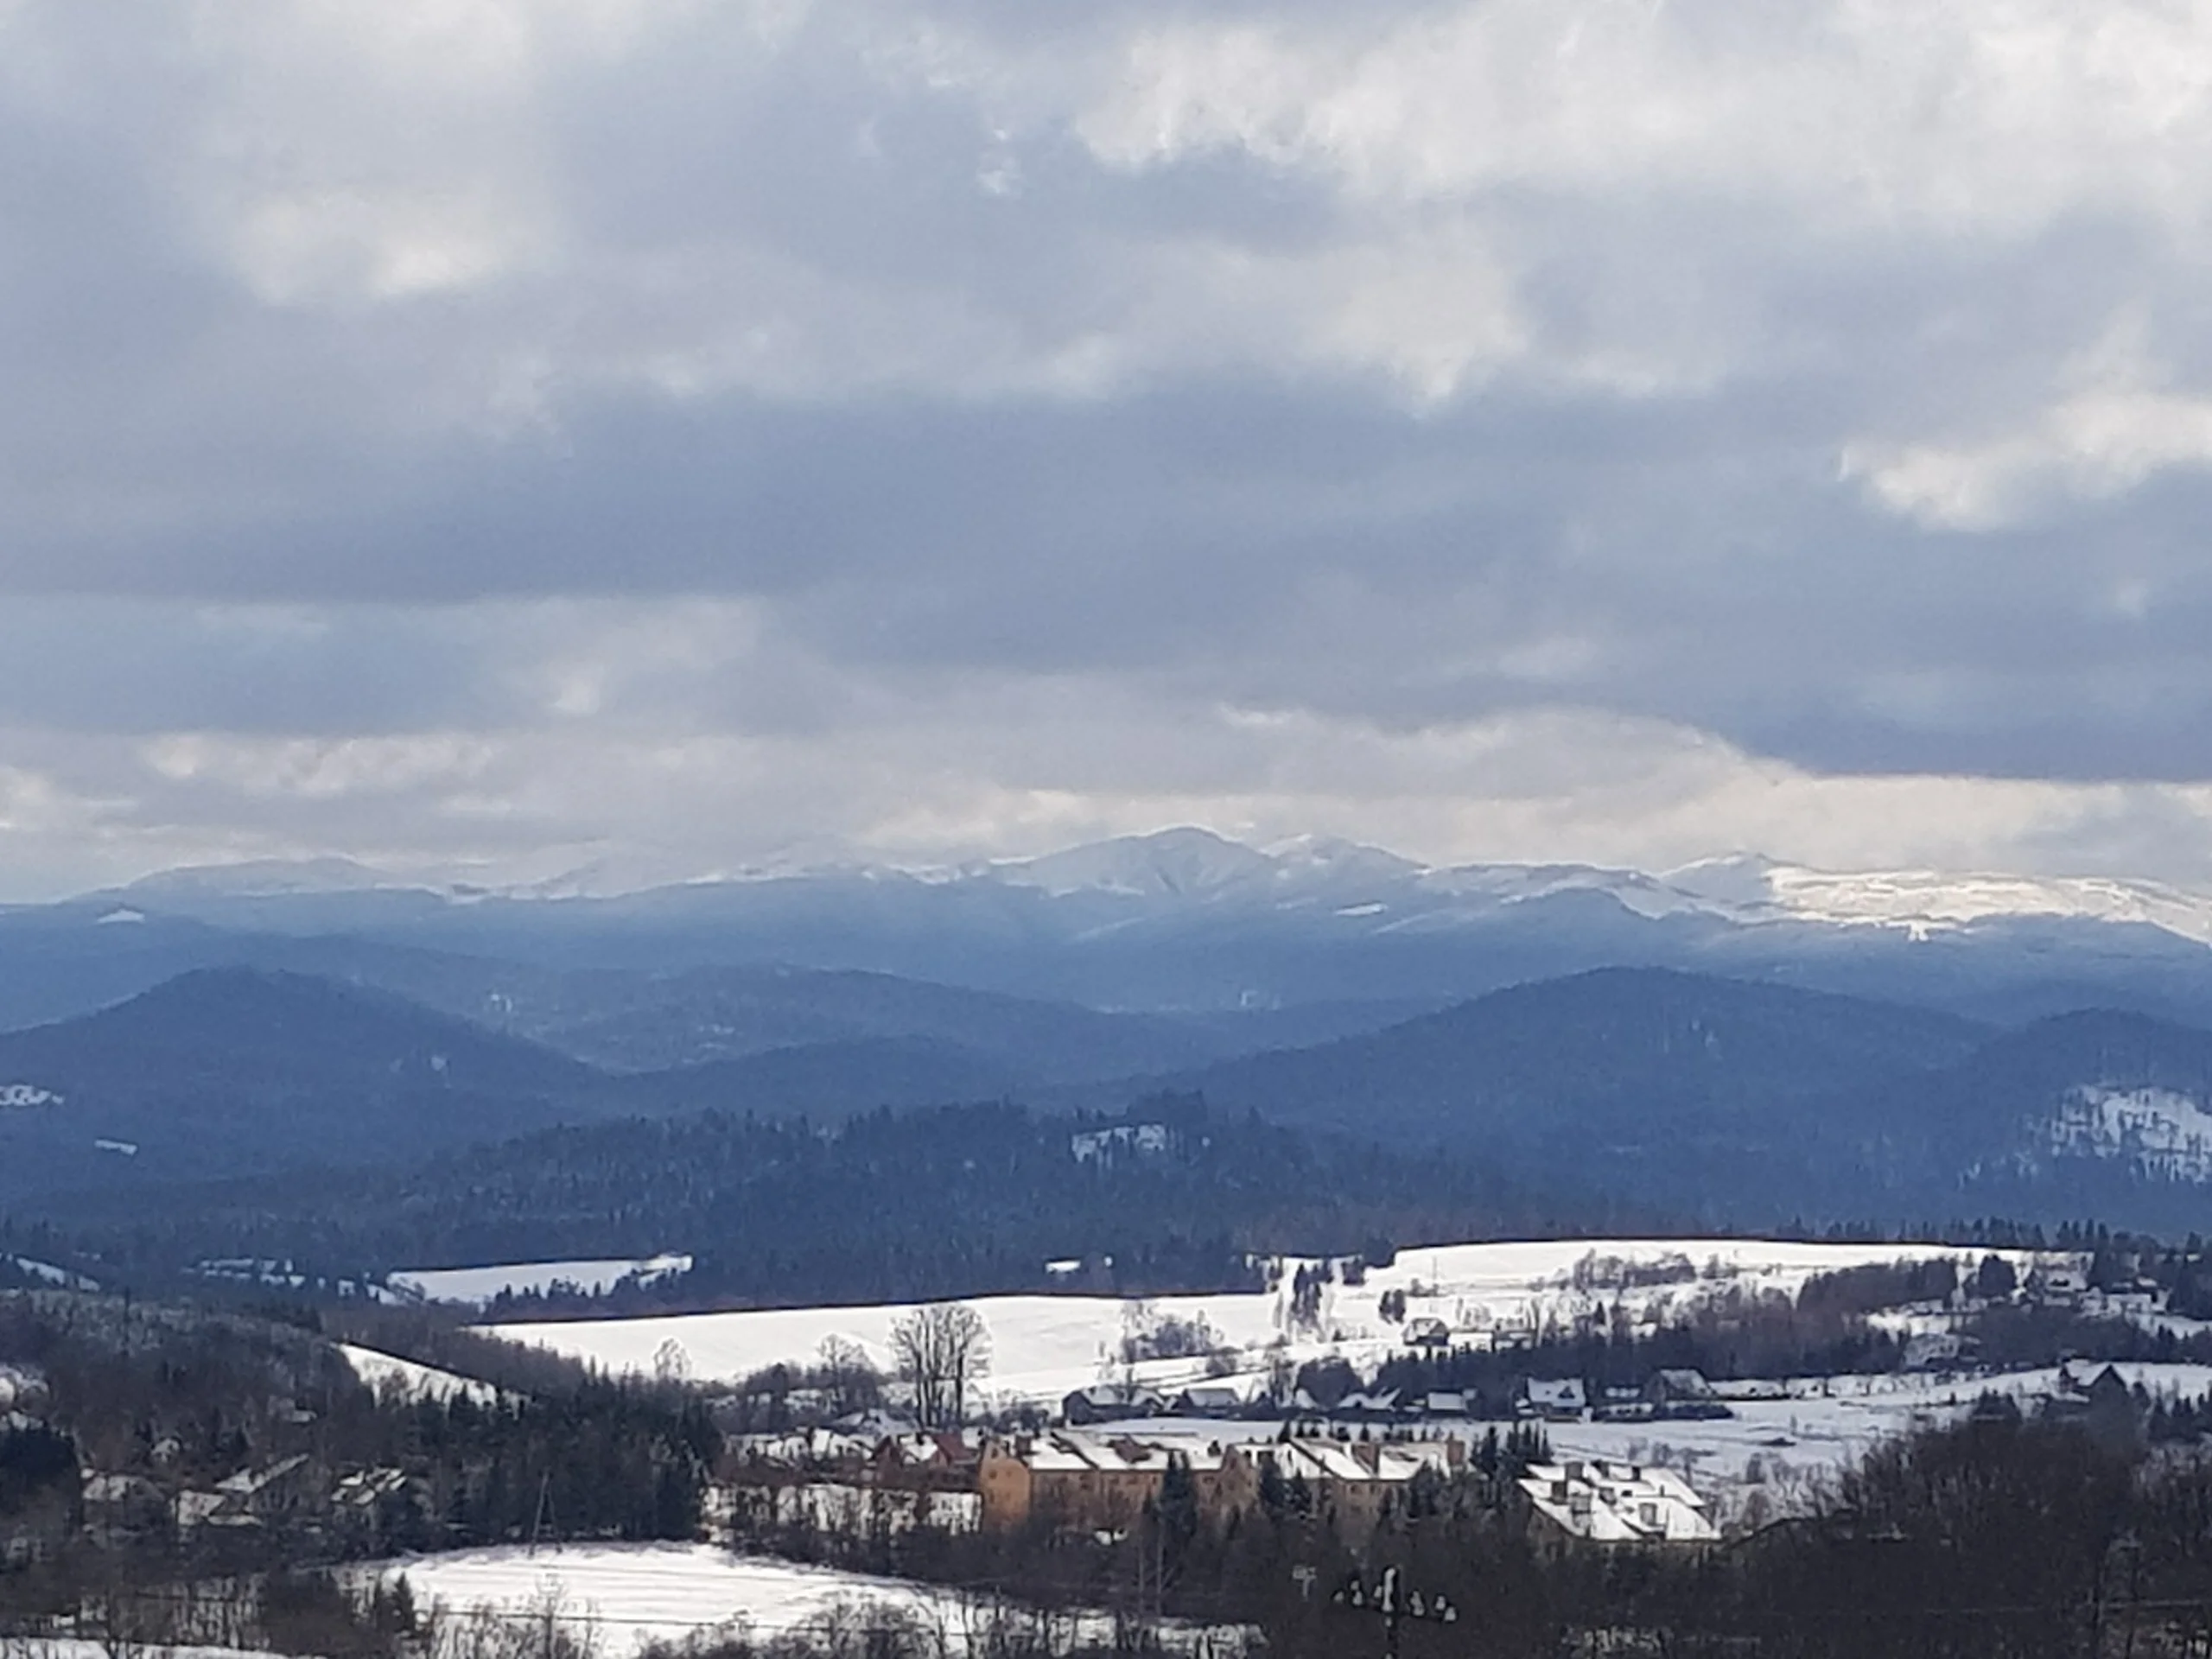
(1563, 1400)
(1601, 1503)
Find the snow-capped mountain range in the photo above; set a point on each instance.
(1181, 923)
(1188, 868)
(1958, 1043)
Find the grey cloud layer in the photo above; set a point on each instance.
(1836, 382)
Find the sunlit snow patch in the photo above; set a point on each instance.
(2163, 1135)
(389, 1374)
(474, 1287)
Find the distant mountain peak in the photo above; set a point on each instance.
(261, 877)
(1182, 862)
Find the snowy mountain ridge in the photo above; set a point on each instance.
(1188, 868)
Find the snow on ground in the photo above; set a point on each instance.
(387, 1372)
(1827, 1425)
(1779, 1449)
(1045, 1346)
(629, 1594)
(477, 1286)
(47, 1273)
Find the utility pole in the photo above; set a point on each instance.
(543, 1511)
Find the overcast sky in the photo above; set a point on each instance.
(513, 434)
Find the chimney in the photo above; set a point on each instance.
(1455, 1453)
(1370, 1455)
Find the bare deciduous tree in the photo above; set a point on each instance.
(942, 1350)
(853, 1383)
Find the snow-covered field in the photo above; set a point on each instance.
(629, 1594)
(1045, 1346)
(477, 1285)
(388, 1373)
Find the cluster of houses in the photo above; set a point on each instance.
(1102, 1484)
(1103, 1480)
(296, 1493)
(2064, 1285)
(1076, 1480)
(120, 1510)
(1669, 1394)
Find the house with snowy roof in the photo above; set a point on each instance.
(2057, 1284)
(1563, 1401)
(1209, 1400)
(1680, 1392)
(944, 1457)
(1091, 1483)
(1599, 1503)
(804, 1448)
(1097, 1484)
(1354, 1483)
(1111, 1402)
(1364, 1406)
(275, 1490)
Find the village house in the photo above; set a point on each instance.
(801, 1448)
(1362, 1406)
(1937, 1350)
(1354, 1484)
(381, 1508)
(1613, 1504)
(1563, 1401)
(944, 1461)
(911, 1462)
(286, 1490)
(1209, 1400)
(1682, 1392)
(2140, 1299)
(1111, 1402)
(1082, 1483)
(2104, 1405)
(2058, 1285)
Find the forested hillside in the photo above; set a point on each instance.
(958, 1200)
